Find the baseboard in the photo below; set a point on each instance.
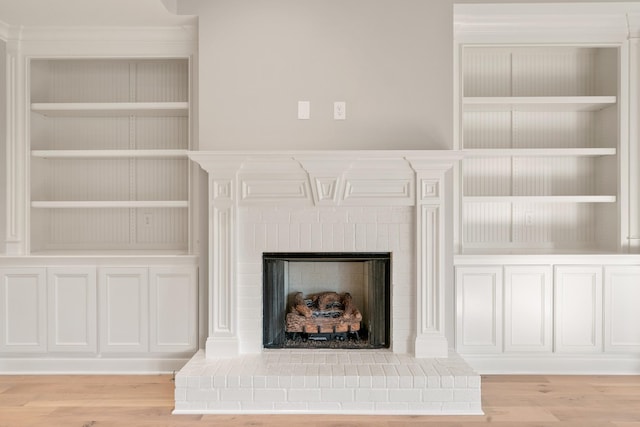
(554, 364)
(77, 366)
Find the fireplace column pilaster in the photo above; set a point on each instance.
(223, 340)
(431, 261)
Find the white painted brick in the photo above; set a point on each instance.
(305, 237)
(303, 395)
(378, 381)
(290, 406)
(207, 382)
(333, 216)
(269, 395)
(358, 407)
(460, 382)
(180, 394)
(454, 407)
(327, 237)
(297, 381)
(339, 381)
(351, 381)
(324, 406)
(447, 381)
(311, 382)
(466, 395)
(361, 237)
(316, 236)
(433, 381)
(181, 381)
(273, 381)
(219, 381)
(246, 381)
(475, 407)
(271, 239)
(394, 382)
(392, 407)
(324, 381)
(257, 406)
(284, 381)
(371, 395)
(437, 395)
(294, 237)
(426, 407)
(191, 406)
(304, 216)
(230, 395)
(202, 395)
(405, 395)
(259, 381)
(223, 406)
(276, 216)
(193, 382)
(474, 381)
(337, 395)
(338, 237)
(365, 382)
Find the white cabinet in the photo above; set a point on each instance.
(23, 315)
(72, 309)
(479, 309)
(622, 316)
(528, 316)
(578, 308)
(540, 133)
(109, 168)
(124, 309)
(173, 309)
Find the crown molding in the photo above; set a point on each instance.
(117, 34)
(559, 22)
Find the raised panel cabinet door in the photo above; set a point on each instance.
(621, 309)
(72, 309)
(528, 315)
(479, 309)
(23, 310)
(173, 309)
(578, 309)
(124, 309)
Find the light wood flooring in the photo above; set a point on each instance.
(88, 401)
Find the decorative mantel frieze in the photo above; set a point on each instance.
(334, 179)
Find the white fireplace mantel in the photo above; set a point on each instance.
(255, 179)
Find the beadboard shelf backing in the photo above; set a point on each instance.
(109, 141)
(540, 137)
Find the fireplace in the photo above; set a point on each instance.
(338, 300)
(386, 210)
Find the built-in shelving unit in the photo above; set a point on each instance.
(109, 168)
(540, 137)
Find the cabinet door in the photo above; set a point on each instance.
(72, 310)
(528, 314)
(124, 309)
(479, 309)
(173, 309)
(578, 296)
(23, 314)
(621, 313)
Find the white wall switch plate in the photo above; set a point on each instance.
(339, 110)
(304, 110)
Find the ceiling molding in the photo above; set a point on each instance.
(570, 22)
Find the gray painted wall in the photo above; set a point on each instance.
(390, 60)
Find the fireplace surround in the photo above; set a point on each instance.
(395, 202)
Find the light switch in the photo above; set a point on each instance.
(340, 110)
(304, 110)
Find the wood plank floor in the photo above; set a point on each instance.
(88, 401)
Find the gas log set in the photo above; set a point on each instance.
(326, 316)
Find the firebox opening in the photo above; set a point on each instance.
(327, 300)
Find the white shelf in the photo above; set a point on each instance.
(109, 204)
(109, 154)
(539, 152)
(537, 103)
(107, 109)
(539, 199)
